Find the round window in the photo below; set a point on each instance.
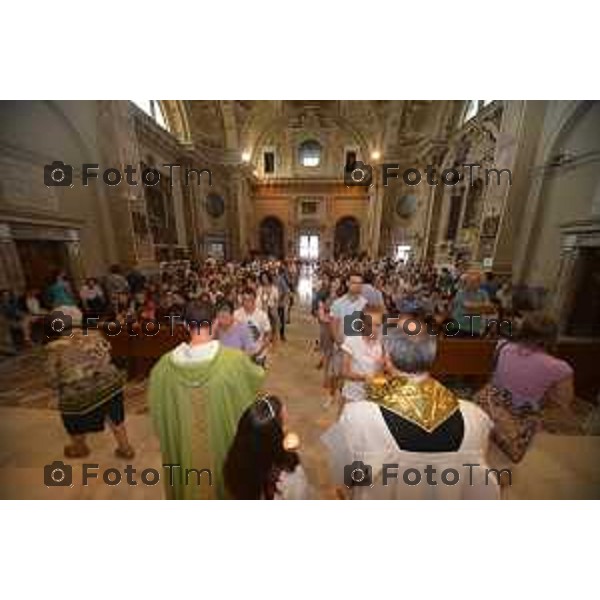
(406, 206)
(215, 205)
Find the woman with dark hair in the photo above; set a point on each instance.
(262, 463)
(92, 297)
(60, 292)
(147, 311)
(526, 378)
(324, 300)
(526, 369)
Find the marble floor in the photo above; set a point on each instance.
(31, 435)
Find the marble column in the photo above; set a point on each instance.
(75, 262)
(517, 142)
(564, 290)
(431, 202)
(126, 204)
(191, 204)
(242, 199)
(11, 273)
(376, 193)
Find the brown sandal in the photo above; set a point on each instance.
(76, 451)
(126, 453)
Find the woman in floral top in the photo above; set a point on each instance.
(89, 385)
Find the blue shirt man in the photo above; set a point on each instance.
(349, 303)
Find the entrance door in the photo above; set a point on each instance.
(271, 237)
(41, 259)
(584, 320)
(309, 247)
(217, 250)
(346, 242)
(402, 252)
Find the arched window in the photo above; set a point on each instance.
(473, 107)
(309, 153)
(153, 109)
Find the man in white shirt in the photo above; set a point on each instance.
(351, 302)
(258, 323)
(344, 321)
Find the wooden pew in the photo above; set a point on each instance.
(140, 353)
(468, 359)
(473, 361)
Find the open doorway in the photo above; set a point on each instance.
(584, 318)
(346, 241)
(309, 247)
(271, 237)
(402, 252)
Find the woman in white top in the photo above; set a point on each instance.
(267, 298)
(262, 463)
(363, 356)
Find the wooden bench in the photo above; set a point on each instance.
(468, 359)
(471, 360)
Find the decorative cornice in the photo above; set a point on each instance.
(571, 162)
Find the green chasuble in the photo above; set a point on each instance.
(196, 408)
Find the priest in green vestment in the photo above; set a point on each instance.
(197, 394)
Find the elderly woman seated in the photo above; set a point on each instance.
(526, 369)
(411, 437)
(470, 305)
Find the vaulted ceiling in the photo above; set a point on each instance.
(392, 126)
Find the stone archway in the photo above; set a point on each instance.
(346, 242)
(271, 237)
(176, 116)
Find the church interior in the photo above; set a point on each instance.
(273, 183)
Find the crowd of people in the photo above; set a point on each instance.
(256, 288)
(456, 302)
(206, 395)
